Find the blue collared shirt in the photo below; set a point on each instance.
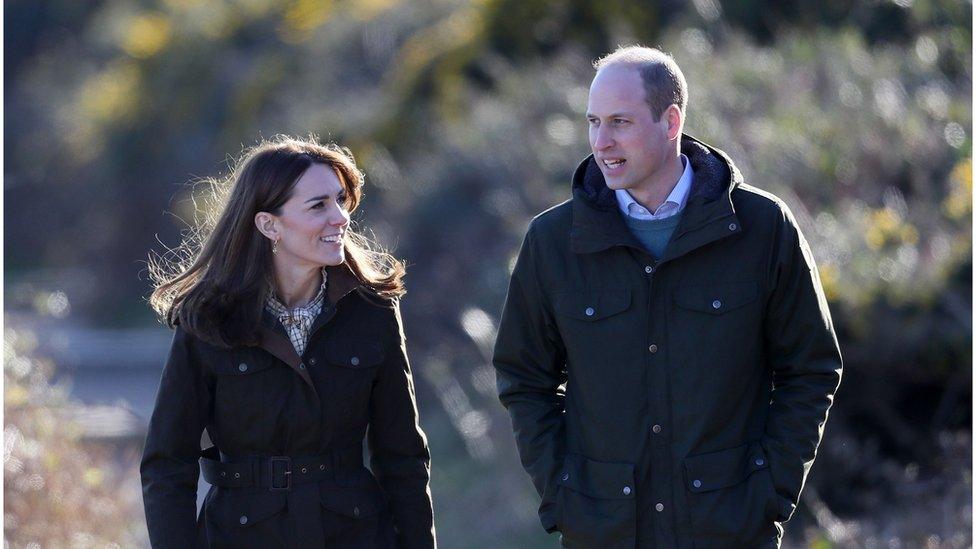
(673, 205)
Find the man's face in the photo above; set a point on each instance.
(629, 146)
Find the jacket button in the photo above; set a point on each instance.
(716, 304)
(312, 361)
(648, 269)
(321, 467)
(565, 476)
(627, 490)
(355, 511)
(243, 519)
(242, 367)
(223, 474)
(354, 361)
(589, 311)
(696, 483)
(732, 226)
(659, 507)
(237, 475)
(301, 366)
(760, 462)
(656, 429)
(652, 348)
(304, 470)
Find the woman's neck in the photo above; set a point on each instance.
(297, 285)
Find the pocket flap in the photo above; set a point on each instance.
(352, 502)
(244, 510)
(240, 365)
(354, 353)
(592, 305)
(716, 299)
(724, 468)
(598, 479)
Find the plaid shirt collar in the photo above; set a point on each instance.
(298, 321)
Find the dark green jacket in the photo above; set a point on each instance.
(676, 403)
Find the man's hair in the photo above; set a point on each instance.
(664, 83)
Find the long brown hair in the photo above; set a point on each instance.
(215, 283)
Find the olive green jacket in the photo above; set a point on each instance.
(671, 403)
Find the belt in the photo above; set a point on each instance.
(279, 473)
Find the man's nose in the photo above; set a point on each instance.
(603, 139)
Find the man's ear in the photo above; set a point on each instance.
(267, 224)
(675, 120)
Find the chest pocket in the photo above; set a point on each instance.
(716, 299)
(591, 306)
(242, 367)
(353, 354)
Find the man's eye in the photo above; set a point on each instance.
(593, 121)
(619, 121)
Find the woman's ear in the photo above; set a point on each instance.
(267, 224)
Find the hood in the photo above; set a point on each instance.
(715, 175)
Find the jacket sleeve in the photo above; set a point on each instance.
(398, 447)
(806, 363)
(170, 467)
(529, 361)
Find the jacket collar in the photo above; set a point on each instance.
(341, 282)
(708, 215)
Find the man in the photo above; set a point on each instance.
(665, 350)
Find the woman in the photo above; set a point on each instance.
(288, 345)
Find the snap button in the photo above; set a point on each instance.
(304, 470)
(760, 462)
(301, 366)
(589, 311)
(656, 429)
(627, 490)
(321, 467)
(565, 476)
(648, 269)
(242, 367)
(696, 483)
(312, 361)
(223, 473)
(237, 475)
(652, 348)
(354, 361)
(716, 304)
(659, 507)
(355, 511)
(243, 519)
(732, 226)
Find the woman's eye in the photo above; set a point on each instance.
(318, 205)
(341, 199)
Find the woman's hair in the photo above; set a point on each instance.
(215, 283)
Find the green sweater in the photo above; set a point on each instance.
(654, 234)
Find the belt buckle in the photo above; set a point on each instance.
(286, 462)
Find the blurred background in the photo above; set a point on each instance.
(467, 117)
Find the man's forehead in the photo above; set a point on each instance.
(616, 90)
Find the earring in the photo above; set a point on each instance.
(274, 247)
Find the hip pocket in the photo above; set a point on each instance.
(596, 504)
(245, 520)
(730, 496)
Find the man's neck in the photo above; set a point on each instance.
(655, 190)
(297, 286)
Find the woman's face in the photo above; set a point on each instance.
(312, 223)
